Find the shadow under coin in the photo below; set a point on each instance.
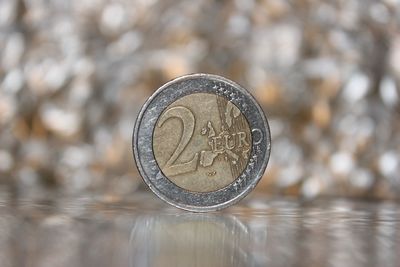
(189, 240)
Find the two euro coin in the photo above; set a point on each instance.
(201, 142)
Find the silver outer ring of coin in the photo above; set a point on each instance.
(143, 144)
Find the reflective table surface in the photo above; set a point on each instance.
(143, 231)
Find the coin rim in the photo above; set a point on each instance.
(190, 203)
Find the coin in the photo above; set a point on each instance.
(201, 142)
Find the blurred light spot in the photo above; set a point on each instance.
(362, 179)
(238, 25)
(80, 91)
(174, 65)
(311, 187)
(356, 88)
(13, 81)
(379, 13)
(321, 68)
(245, 5)
(113, 18)
(269, 93)
(36, 152)
(6, 161)
(349, 16)
(87, 6)
(288, 152)
(394, 55)
(276, 127)
(102, 136)
(388, 91)
(326, 13)
(290, 175)
(55, 76)
(393, 3)
(256, 76)
(13, 50)
(341, 40)
(7, 12)
(56, 221)
(365, 127)
(124, 185)
(7, 108)
(80, 180)
(76, 157)
(72, 48)
(388, 163)
(197, 49)
(128, 43)
(341, 163)
(287, 43)
(63, 122)
(125, 128)
(341, 205)
(84, 67)
(321, 113)
(277, 46)
(28, 177)
(356, 127)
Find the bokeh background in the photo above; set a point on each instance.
(74, 74)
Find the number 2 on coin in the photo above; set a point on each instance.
(172, 168)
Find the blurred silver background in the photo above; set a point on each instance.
(73, 75)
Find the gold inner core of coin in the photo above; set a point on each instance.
(202, 142)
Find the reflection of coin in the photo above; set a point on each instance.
(190, 240)
(201, 142)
